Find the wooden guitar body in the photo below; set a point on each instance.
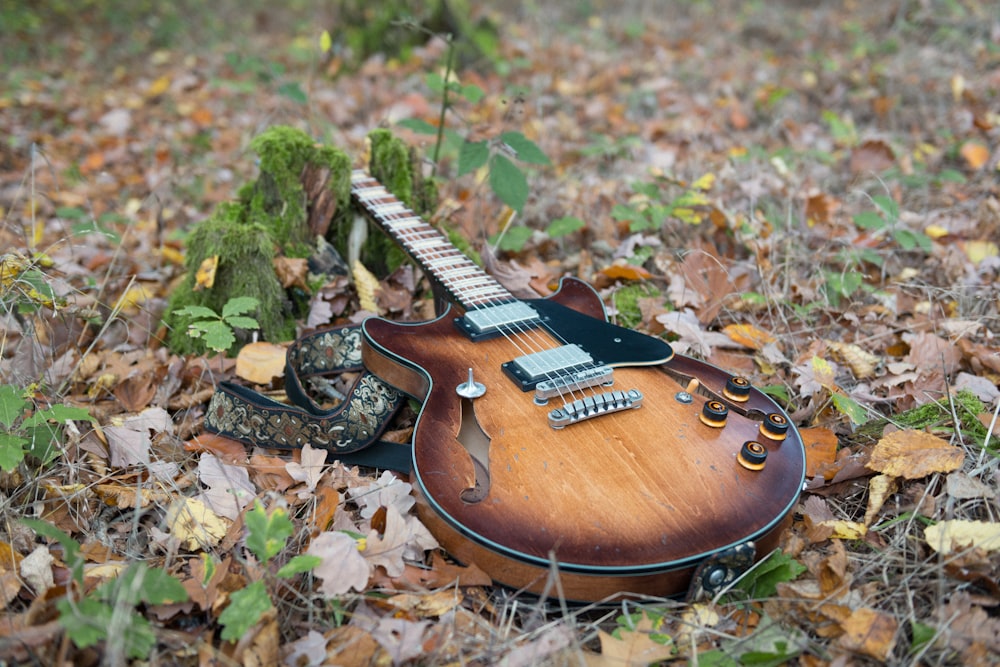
(627, 485)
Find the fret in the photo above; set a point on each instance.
(464, 280)
(424, 244)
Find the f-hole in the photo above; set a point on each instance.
(477, 444)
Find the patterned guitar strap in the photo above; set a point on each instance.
(350, 431)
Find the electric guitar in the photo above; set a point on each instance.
(552, 440)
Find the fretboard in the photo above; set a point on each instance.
(467, 284)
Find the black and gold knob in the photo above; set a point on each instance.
(774, 427)
(737, 389)
(714, 414)
(752, 455)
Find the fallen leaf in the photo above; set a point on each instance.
(872, 156)
(870, 632)
(229, 487)
(958, 534)
(977, 251)
(821, 450)
(204, 276)
(820, 207)
(261, 362)
(748, 335)
(309, 470)
(914, 454)
(342, 567)
(292, 271)
(129, 441)
(862, 363)
(386, 549)
(540, 647)
(36, 569)
(879, 489)
(308, 650)
(367, 285)
(975, 154)
(226, 449)
(196, 526)
(626, 272)
(634, 647)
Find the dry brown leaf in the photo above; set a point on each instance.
(870, 632)
(914, 454)
(862, 363)
(820, 207)
(292, 271)
(872, 156)
(424, 605)
(260, 362)
(226, 449)
(635, 647)
(626, 272)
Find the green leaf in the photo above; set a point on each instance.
(293, 91)
(218, 335)
(159, 587)
(625, 212)
(514, 239)
(508, 182)
(763, 581)
(12, 404)
(299, 564)
(268, 533)
(848, 406)
(565, 226)
(87, 622)
(197, 313)
(242, 322)
(11, 450)
(59, 413)
(325, 42)
(888, 205)
(869, 220)
(239, 305)
(471, 156)
(417, 125)
(922, 634)
(472, 93)
(716, 658)
(525, 149)
(245, 609)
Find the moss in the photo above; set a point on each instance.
(627, 302)
(936, 416)
(245, 268)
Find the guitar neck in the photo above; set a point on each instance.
(467, 284)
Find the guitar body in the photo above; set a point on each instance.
(631, 501)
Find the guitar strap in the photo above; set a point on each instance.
(349, 431)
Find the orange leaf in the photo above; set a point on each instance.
(92, 162)
(820, 207)
(821, 450)
(914, 454)
(626, 272)
(201, 116)
(870, 632)
(260, 362)
(226, 449)
(748, 335)
(975, 154)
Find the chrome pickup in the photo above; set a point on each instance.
(530, 369)
(493, 319)
(588, 377)
(594, 406)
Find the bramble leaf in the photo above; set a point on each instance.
(508, 182)
(245, 608)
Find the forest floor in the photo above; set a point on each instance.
(806, 194)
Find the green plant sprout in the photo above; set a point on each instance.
(24, 429)
(218, 329)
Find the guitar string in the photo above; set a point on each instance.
(421, 231)
(564, 381)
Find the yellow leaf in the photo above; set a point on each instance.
(879, 489)
(823, 372)
(204, 277)
(845, 530)
(950, 536)
(172, 255)
(748, 335)
(935, 231)
(863, 364)
(194, 525)
(325, 43)
(366, 284)
(158, 87)
(705, 182)
(914, 454)
(260, 362)
(133, 297)
(977, 251)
